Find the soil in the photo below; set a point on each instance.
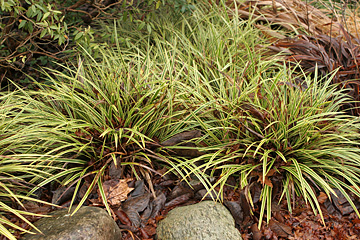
(137, 212)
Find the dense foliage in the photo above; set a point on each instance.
(38, 32)
(268, 124)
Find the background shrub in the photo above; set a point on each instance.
(39, 32)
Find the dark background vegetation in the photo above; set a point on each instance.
(38, 33)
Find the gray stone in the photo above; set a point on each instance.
(87, 223)
(207, 220)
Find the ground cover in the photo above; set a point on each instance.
(196, 99)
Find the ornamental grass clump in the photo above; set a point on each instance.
(262, 122)
(216, 59)
(291, 138)
(251, 118)
(299, 139)
(112, 110)
(21, 168)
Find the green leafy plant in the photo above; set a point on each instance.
(113, 110)
(20, 168)
(289, 136)
(202, 72)
(258, 121)
(32, 29)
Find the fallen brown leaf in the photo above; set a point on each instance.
(184, 136)
(116, 191)
(138, 203)
(122, 216)
(34, 207)
(257, 235)
(322, 197)
(280, 229)
(235, 210)
(179, 200)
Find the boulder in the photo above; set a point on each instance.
(206, 220)
(87, 223)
